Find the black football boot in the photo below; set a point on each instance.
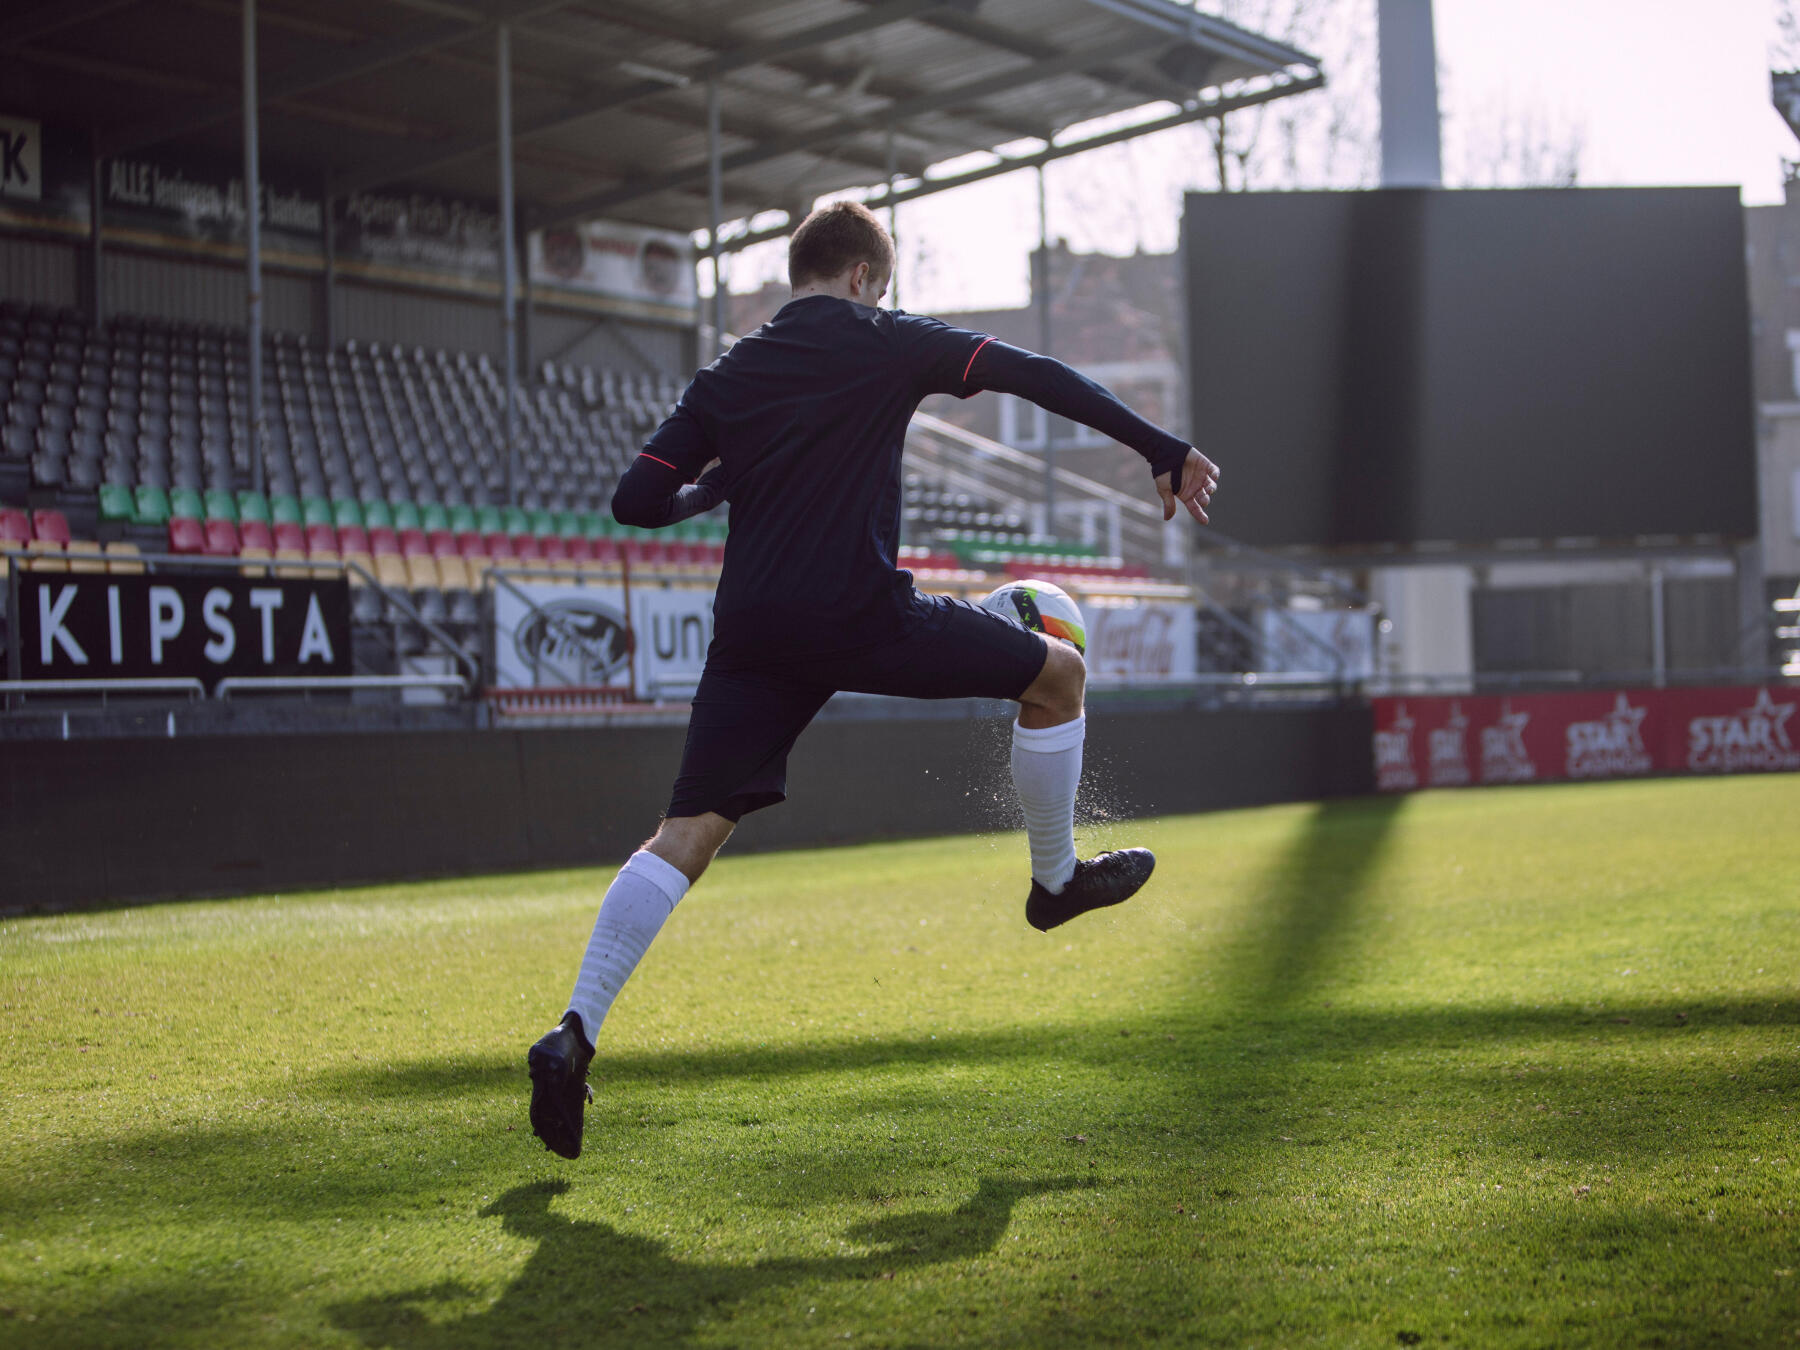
(559, 1087)
(1098, 882)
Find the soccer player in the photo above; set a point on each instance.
(806, 418)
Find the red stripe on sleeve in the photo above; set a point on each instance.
(972, 356)
(665, 463)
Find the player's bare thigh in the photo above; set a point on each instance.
(1056, 695)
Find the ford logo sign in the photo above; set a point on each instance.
(584, 641)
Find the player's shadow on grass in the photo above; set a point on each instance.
(1309, 899)
(587, 1284)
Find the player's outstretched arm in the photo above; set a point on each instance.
(1182, 474)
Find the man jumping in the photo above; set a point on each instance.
(807, 417)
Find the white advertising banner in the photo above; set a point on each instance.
(560, 636)
(624, 262)
(1302, 640)
(1138, 641)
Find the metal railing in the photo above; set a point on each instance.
(311, 684)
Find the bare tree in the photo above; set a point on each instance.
(1504, 144)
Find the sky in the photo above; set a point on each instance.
(1637, 92)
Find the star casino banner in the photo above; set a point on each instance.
(88, 627)
(553, 636)
(1627, 733)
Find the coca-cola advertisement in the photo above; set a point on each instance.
(1626, 733)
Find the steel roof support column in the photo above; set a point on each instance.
(1042, 280)
(893, 173)
(96, 261)
(508, 261)
(253, 249)
(329, 276)
(715, 207)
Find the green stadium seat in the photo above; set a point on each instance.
(593, 525)
(488, 520)
(186, 504)
(284, 510)
(221, 505)
(315, 511)
(434, 517)
(344, 512)
(376, 515)
(116, 502)
(253, 506)
(568, 525)
(463, 519)
(152, 505)
(406, 516)
(515, 521)
(543, 524)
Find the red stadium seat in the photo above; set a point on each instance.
(321, 540)
(290, 537)
(15, 526)
(186, 536)
(353, 539)
(470, 545)
(255, 534)
(578, 548)
(222, 539)
(412, 543)
(526, 546)
(552, 546)
(50, 525)
(497, 546)
(443, 544)
(603, 550)
(383, 542)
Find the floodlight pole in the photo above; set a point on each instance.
(1042, 280)
(1411, 154)
(508, 259)
(715, 205)
(253, 249)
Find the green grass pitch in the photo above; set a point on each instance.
(1498, 1067)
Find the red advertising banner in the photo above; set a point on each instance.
(1626, 733)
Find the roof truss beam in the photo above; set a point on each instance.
(53, 16)
(322, 70)
(1218, 107)
(975, 90)
(579, 109)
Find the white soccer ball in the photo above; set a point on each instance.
(1043, 607)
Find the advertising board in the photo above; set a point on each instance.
(76, 627)
(1625, 733)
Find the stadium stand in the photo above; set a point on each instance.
(386, 458)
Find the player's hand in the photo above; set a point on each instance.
(1199, 480)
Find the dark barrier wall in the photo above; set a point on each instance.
(96, 822)
(1416, 366)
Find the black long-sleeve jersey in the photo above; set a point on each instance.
(807, 417)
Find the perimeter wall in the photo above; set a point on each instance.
(98, 822)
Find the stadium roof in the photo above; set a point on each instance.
(611, 97)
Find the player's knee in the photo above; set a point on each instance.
(689, 843)
(1061, 687)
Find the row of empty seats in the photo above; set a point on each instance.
(140, 402)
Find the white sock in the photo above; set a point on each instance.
(1046, 769)
(641, 897)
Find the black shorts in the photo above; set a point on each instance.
(746, 719)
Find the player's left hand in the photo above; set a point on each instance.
(1199, 480)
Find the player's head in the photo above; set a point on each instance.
(841, 250)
